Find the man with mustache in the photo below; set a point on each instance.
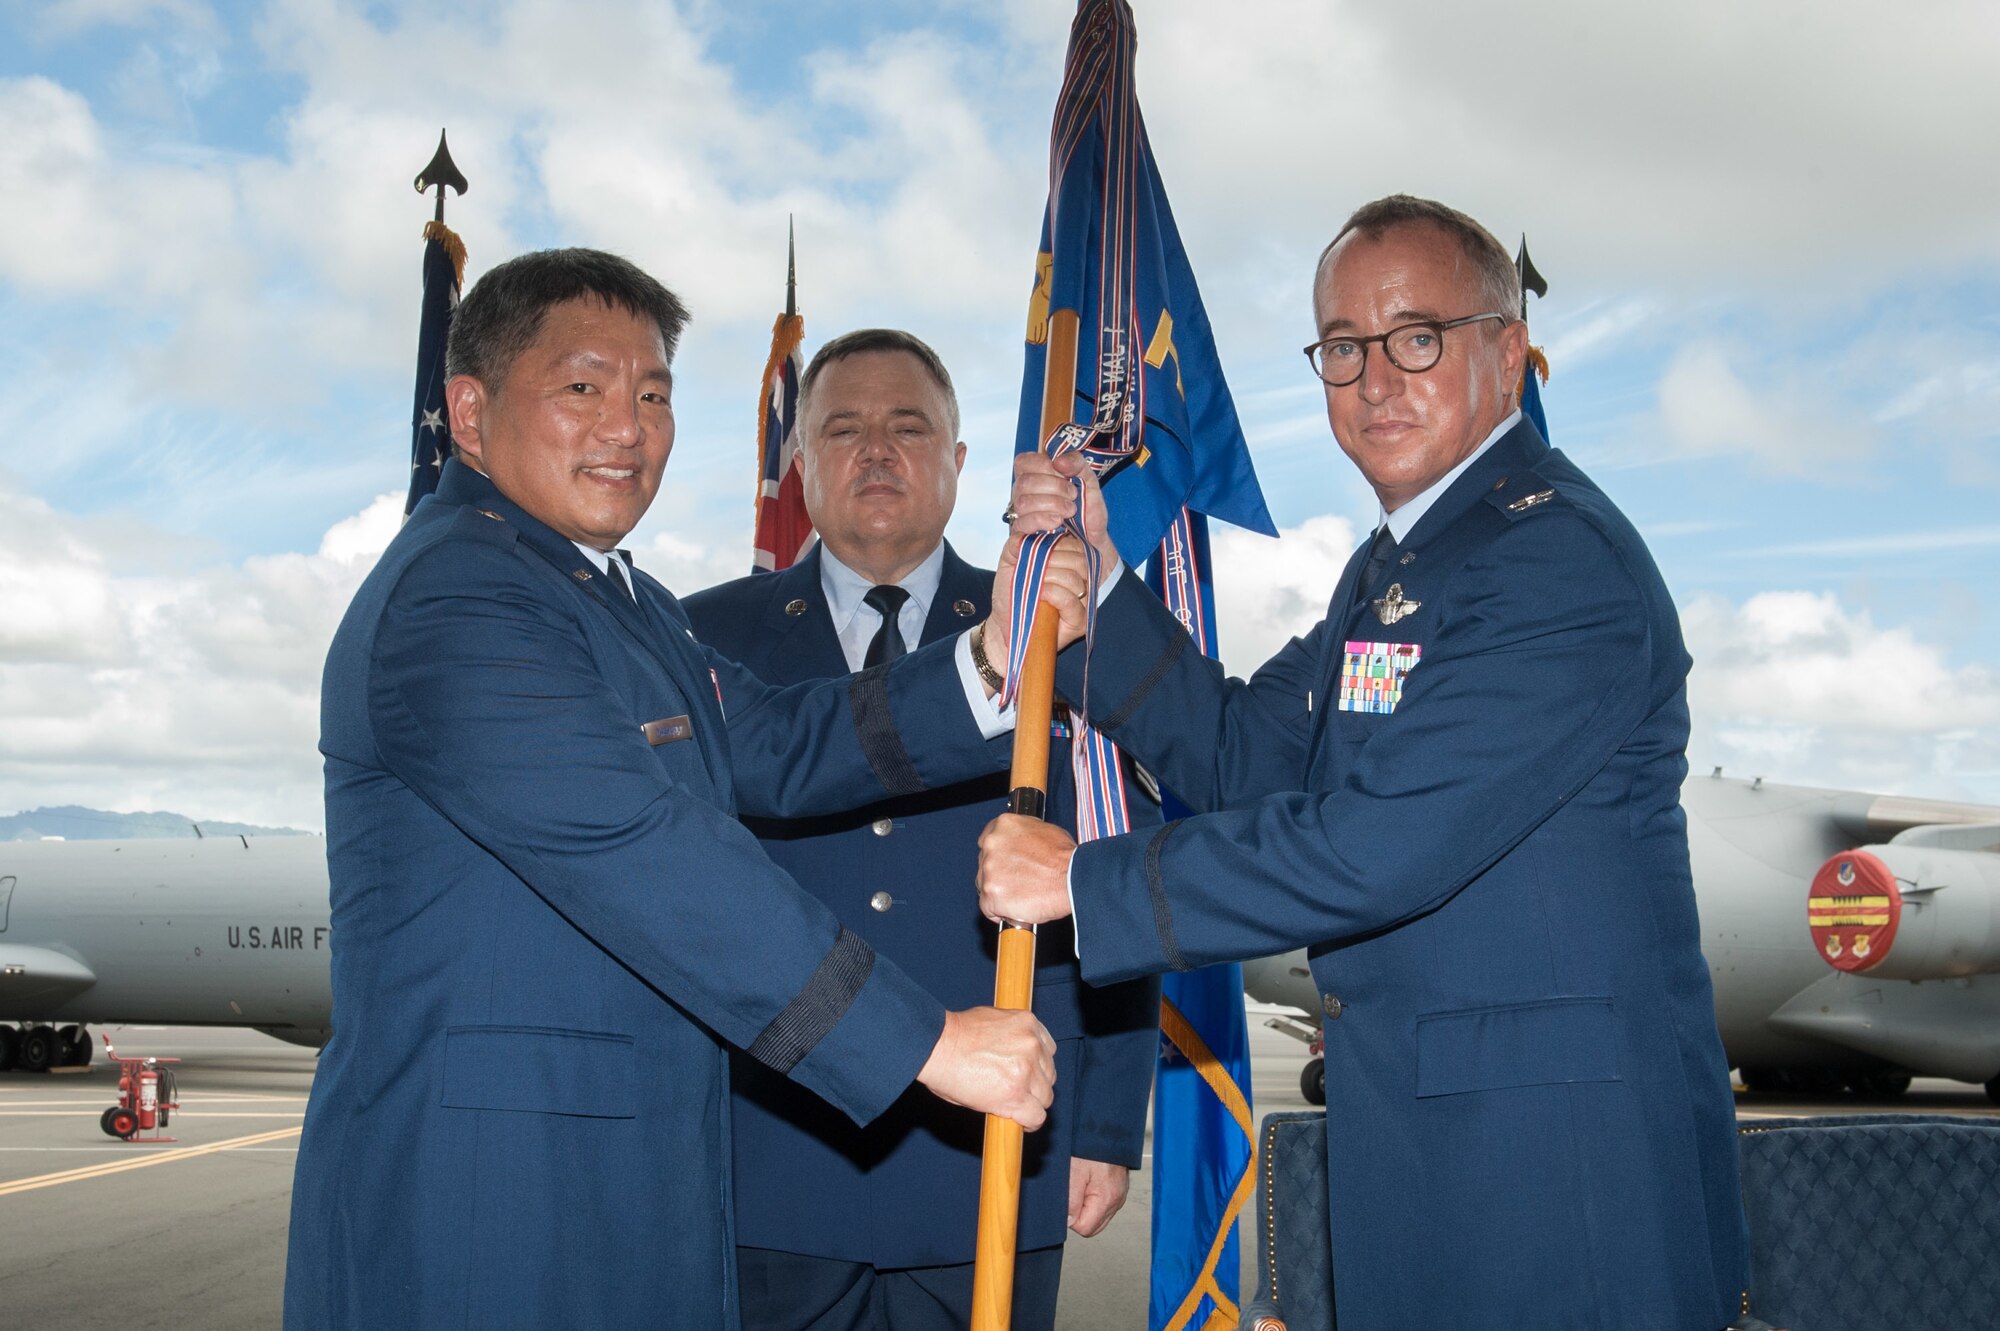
(548, 923)
(1461, 793)
(842, 1226)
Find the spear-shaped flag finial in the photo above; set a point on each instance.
(1530, 279)
(441, 171)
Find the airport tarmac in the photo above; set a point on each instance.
(101, 1234)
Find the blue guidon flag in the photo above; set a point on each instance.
(430, 445)
(1152, 411)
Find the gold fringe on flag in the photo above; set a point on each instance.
(786, 335)
(1538, 362)
(1178, 1029)
(454, 248)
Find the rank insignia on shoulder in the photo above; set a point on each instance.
(1526, 502)
(1395, 607)
(1372, 674)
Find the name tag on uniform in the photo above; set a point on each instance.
(667, 729)
(1371, 677)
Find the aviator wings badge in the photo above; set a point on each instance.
(1394, 607)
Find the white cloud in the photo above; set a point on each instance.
(1707, 407)
(197, 692)
(1268, 592)
(1795, 686)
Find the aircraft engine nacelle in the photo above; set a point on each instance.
(1907, 912)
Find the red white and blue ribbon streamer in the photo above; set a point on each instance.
(1100, 789)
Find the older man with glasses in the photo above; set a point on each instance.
(1461, 792)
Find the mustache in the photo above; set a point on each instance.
(878, 475)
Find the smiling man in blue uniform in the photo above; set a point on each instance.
(842, 1227)
(547, 921)
(1460, 791)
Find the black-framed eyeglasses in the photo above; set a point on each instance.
(1411, 348)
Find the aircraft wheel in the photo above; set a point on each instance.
(40, 1049)
(1763, 1081)
(1993, 1089)
(1312, 1081)
(10, 1048)
(1883, 1085)
(121, 1122)
(74, 1045)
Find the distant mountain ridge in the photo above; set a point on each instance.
(73, 822)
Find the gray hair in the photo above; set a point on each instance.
(1499, 280)
(502, 315)
(863, 340)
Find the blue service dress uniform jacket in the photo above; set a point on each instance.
(548, 922)
(903, 1190)
(1462, 791)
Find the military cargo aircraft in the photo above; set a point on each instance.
(220, 932)
(1853, 939)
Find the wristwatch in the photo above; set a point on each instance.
(991, 677)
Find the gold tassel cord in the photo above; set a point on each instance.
(1538, 361)
(454, 248)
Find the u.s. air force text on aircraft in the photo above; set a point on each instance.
(280, 935)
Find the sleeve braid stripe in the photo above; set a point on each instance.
(817, 1008)
(1163, 915)
(1145, 686)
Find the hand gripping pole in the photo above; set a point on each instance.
(1014, 984)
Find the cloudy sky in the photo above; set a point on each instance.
(1771, 231)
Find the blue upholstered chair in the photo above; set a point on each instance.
(1884, 1222)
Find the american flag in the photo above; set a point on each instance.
(430, 443)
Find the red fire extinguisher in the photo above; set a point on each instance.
(149, 1099)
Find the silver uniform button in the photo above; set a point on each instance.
(883, 826)
(1332, 1006)
(881, 901)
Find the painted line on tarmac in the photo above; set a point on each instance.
(164, 1157)
(126, 1149)
(207, 1114)
(78, 1101)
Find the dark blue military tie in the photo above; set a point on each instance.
(887, 644)
(1378, 559)
(614, 569)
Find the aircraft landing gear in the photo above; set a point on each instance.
(10, 1048)
(40, 1049)
(75, 1047)
(1993, 1089)
(1312, 1081)
(1879, 1085)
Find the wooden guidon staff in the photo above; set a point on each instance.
(1014, 984)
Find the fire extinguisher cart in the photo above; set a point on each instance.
(146, 1097)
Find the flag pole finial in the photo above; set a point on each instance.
(791, 268)
(1531, 280)
(441, 171)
